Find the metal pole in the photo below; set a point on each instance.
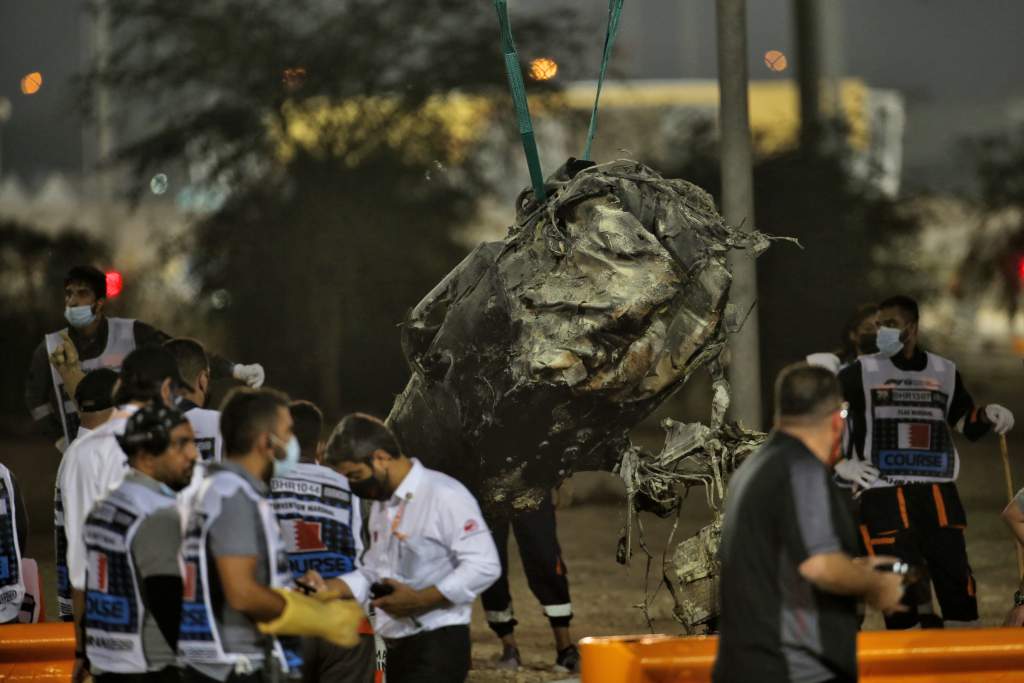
(809, 67)
(104, 108)
(738, 205)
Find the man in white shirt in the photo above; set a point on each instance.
(94, 397)
(95, 465)
(431, 553)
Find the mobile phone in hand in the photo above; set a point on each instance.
(379, 590)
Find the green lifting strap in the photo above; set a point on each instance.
(515, 82)
(614, 13)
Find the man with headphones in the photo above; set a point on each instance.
(133, 581)
(95, 464)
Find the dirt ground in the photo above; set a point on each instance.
(606, 595)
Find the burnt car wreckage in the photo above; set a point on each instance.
(537, 354)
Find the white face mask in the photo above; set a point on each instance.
(889, 343)
(79, 316)
(282, 468)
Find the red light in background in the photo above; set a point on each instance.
(115, 283)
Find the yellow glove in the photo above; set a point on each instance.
(336, 621)
(65, 359)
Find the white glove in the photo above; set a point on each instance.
(858, 472)
(999, 417)
(253, 375)
(829, 361)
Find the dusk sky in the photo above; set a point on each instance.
(958, 65)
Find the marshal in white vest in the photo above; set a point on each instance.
(908, 438)
(120, 342)
(114, 609)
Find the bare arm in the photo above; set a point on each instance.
(338, 586)
(1014, 518)
(840, 574)
(243, 592)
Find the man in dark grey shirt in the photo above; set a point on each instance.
(235, 533)
(235, 598)
(789, 583)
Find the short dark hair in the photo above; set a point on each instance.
(356, 438)
(92, 276)
(309, 424)
(806, 391)
(143, 372)
(190, 356)
(859, 315)
(245, 414)
(95, 392)
(905, 304)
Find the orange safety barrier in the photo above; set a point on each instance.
(37, 653)
(992, 655)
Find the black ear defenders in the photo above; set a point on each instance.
(155, 440)
(149, 429)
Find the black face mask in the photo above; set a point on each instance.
(370, 488)
(867, 343)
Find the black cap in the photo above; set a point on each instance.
(150, 427)
(95, 391)
(151, 365)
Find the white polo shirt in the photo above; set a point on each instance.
(429, 533)
(92, 466)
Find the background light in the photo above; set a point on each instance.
(543, 69)
(158, 184)
(115, 283)
(775, 60)
(31, 83)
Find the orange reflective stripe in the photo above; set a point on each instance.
(970, 586)
(940, 506)
(883, 541)
(903, 507)
(867, 539)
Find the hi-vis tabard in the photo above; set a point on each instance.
(12, 581)
(120, 342)
(206, 426)
(199, 640)
(114, 611)
(908, 438)
(60, 541)
(314, 508)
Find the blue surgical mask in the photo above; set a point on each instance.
(79, 316)
(889, 343)
(282, 468)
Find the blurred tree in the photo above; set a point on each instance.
(805, 294)
(335, 130)
(995, 255)
(30, 262)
